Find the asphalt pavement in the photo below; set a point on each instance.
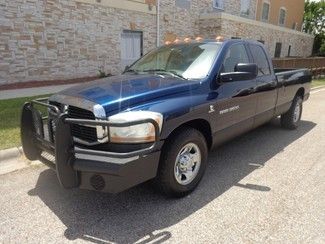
(264, 187)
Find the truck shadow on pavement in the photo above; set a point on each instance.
(140, 214)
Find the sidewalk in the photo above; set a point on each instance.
(36, 88)
(35, 91)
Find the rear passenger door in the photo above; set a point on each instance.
(235, 108)
(266, 91)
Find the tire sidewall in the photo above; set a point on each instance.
(179, 142)
(298, 100)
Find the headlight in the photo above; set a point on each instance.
(139, 133)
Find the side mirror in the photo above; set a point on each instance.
(250, 68)
(242, 72)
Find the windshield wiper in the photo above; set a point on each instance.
(173, 73)
(131, 70)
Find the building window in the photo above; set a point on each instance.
(185, 4)
(131, 47)
(244, 7)
(289, 50)
(218, 4)
(278, 47)
(265, 11)
(282, 16)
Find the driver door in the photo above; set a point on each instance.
(236, 104)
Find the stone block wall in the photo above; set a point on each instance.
(61, 39)
(184, 22)
(301, 43)
(178, 22)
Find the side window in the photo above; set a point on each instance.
(260, 59)
(236, 54)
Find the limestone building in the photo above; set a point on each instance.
(62, 39)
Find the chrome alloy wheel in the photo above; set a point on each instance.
(296, 113)
(187, 164)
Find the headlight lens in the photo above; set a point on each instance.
(139, 133)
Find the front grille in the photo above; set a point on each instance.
(85, 133)
(79, 113)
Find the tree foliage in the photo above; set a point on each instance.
(314, 23)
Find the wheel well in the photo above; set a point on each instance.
(199, 124)
(301, 92)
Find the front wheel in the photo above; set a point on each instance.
(183, 162)
(291, 119)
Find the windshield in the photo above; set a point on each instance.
(187, 61)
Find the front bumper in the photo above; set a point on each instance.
(79, 166)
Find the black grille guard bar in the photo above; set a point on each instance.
(41, 102)
(63, 119)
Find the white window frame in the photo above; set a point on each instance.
(268, 14)
(249, 6)
(221, 3)
(285, 16)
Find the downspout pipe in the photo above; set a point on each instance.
(158, 22)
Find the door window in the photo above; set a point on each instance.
(131, 47)
(236, 54)
(260, 59)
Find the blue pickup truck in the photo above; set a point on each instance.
(159, 119)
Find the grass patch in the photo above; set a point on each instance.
(10, 111)
(318, 82)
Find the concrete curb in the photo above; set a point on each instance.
(11, 153)
(317, 88)
(13, 159)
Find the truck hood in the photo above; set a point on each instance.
(123, 91)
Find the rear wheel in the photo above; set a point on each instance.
(290, 120)
(183, 162)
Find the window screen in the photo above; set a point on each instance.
(260, 59)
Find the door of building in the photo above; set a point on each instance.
(131, 47)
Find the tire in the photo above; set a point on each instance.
(290, 120)
(182, 163)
